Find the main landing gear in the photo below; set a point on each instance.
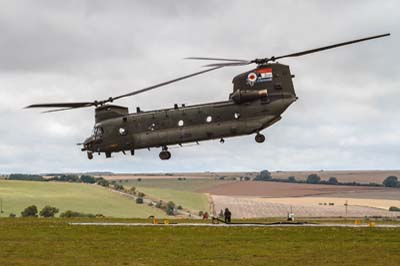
(260, 138)
(90, 155)
(165, 154)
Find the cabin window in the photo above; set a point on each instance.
(236, 115)
(181, 123)
(209, 119)
(122, 131)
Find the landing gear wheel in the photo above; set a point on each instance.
(108, 154)
(260, 138)
(165, 155)
(90, 155)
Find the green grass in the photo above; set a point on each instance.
(174, 184)
(17, 195)
(54, 242)
(188, 200)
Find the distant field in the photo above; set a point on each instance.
(175, 184)
(54, 242)
(279, 189)
(367, 176)
(188, 200)
(17, 195)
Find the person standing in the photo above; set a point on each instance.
(227, 215)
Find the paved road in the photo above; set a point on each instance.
(235, 225)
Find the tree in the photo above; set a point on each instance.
(30, 211)
(48, 211)
(291, 179)
(391, 181)
(333, 180)
(313, 179)
(170, 208)
(88, 179)
(264, 175)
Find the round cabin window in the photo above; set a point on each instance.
(236, 115)
(122, 131)
(180, 123)
(209, 119)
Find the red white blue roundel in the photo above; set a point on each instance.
(252, 77)
(259, 75)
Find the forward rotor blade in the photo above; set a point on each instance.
(70, 105)
(328, 47)
(165, 83)
(216, 59)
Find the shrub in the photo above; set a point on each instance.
(74, 214)
(159, 204)
(118, 187)
(333, 180)
(313, 179)
(179, 207)
(12, 215)
(88, 179)
(391, 181)
(139, 200)
(103, 182)
(291, 179)
(48, 211)
(394, 209)
(30, 211)
(201, 213)
(141, 194)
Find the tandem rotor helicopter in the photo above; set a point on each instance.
(258, 99)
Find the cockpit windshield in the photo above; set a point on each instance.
(98, 131)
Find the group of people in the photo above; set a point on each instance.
(222, 214)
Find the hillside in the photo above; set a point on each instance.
(16, 195)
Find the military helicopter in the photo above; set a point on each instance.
(259, 98)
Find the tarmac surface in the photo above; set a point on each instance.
(239, 225)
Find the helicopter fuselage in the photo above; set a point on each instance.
(251, 108)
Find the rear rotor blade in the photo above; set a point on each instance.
(245, 63)
(216, 59)
(328, 47)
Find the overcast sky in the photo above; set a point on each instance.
(347, 115)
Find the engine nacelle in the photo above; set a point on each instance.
(241, 96)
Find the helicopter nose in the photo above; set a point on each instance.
(88, 143)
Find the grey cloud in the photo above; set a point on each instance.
(346, 116)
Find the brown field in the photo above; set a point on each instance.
(247, 207)
(370, 176)
(277, 189)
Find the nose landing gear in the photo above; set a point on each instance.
(165, 154)
(90, 155)
(260, 138)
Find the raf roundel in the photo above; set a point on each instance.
(252, 77)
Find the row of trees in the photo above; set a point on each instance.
(265, 175)
(49, 211)
(61, 178)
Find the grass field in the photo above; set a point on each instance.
(54, 242)
(17, 195)
(188, 200)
